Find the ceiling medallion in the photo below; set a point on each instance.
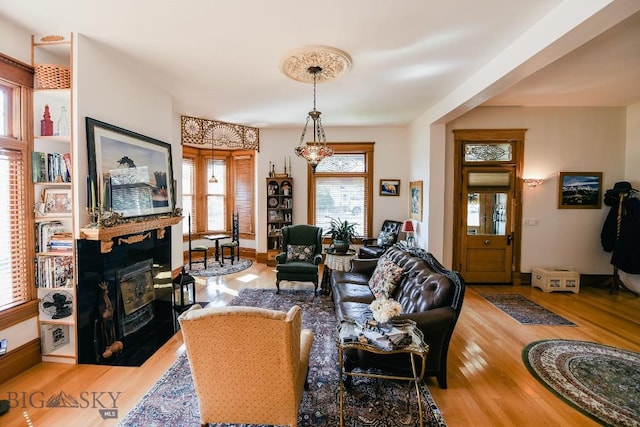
(333, 62)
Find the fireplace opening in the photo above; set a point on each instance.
(136, 292)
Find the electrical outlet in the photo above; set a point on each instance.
(3, 347)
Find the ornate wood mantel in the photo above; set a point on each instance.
(133, 231)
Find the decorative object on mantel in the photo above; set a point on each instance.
(196, 132)
(315, 64)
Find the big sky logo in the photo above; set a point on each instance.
(106, 402)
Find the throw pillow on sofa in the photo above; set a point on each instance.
(385, 278)
(302, 253)
(385, 238)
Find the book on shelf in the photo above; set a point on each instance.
(53, 336)
(54, 271)
(45, 231)
(51, 167)
(61, 241)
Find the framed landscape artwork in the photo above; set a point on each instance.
(415, 200)
(130, 174)
(579, 190)
(389, 187)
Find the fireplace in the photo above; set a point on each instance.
(134, 276)
(134, 285)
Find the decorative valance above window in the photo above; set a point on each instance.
(201, 133)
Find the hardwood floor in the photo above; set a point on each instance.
(488, 382)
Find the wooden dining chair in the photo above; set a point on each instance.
(199, 248)
(234, 245)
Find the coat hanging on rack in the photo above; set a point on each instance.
(621, 230)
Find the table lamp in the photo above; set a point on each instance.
(407, 227)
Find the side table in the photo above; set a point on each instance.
(339, 261)
(348, 331)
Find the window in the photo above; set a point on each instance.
(342, 186)
(211, 204)
(188, 193)
(216, 194)
(15, 219)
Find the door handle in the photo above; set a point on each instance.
(487, 242)
(509, 239)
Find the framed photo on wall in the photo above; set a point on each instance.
(415, 200)
(389, 187)
(579, 190)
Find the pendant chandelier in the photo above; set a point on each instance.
(213, 179)
(318, 150)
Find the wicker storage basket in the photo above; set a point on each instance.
(50, 76)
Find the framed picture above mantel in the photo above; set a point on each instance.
(129, 173)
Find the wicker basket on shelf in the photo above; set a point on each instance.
(49, 76)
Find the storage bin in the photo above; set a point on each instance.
(551, 279)
(50, 76)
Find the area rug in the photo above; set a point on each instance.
(369, 402)
(525, 311)
(215, 269)
(600, 381)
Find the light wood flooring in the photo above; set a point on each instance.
(488, 382)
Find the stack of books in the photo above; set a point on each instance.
(61, 242)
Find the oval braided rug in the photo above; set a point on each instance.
(602, 382)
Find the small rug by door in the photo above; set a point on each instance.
(525, 311)
(600, 381)
(381, 403)
(215, 269)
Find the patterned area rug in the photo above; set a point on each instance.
(602, 382)
(525, 311)
(215, 269)
(380, 403)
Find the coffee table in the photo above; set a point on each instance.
(347, 330)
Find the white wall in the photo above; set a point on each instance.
(107, 88)
(559, 139)
(632, 155)
(390, 162)
(15, 41)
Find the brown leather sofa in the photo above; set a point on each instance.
(429, 294)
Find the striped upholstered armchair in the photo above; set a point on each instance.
(249, 364)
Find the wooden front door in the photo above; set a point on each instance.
(487, 239)
(487, 208)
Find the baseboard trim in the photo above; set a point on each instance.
(20, 359)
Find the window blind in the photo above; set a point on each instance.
(13, 226)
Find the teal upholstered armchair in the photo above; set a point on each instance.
(301, 254)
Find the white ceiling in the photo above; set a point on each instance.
(220, 60)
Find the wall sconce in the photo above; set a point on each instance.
(533, 182)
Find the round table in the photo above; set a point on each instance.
(339, 261)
